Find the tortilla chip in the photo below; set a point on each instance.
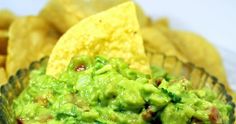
(200, 52)
(113, 33)
(2, 60)
(3, 77)
(60, 15)
(3, 41)
(30, 38)
(156, 42)
(92, 7)
(143, 19)
(63, 14)
(6, 18)
(162, 24)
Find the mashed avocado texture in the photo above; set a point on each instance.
(95, 90)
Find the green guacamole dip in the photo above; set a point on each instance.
(95, 90)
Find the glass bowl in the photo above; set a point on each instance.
(198, 76)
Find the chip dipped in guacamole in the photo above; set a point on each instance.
(98, 73)
(114, 33)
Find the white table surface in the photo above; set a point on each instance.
(214, 19)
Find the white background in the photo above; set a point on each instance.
(214, 19)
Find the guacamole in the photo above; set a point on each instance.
(96, 90)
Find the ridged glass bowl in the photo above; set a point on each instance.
(198, 76)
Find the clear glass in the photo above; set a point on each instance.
(198, 76)
(230, 64)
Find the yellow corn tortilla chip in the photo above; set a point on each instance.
(3, 77)
(63, 14)
(90, 7)
(162, 23)
(3, 41)
(2, 60)
(60, 14)
(30, 38)
(143, 19)
(200, 52)
(113, 33)
(87, 8)
(156, 42)
(6, 18)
